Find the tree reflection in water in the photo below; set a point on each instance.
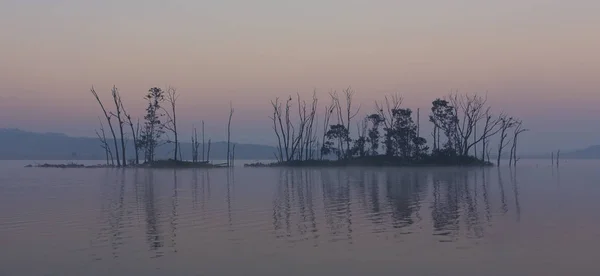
(459, 199)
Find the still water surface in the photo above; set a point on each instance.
(535, 220)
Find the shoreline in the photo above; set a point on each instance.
(369, 161)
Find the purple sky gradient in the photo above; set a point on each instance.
(537, 60)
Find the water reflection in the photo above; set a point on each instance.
(154, 235)
(388, 201)
(307, 206)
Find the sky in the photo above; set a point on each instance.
(536, 59)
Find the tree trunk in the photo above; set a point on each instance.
(229, 133)
(208, 152)
(118, 105)
(112, 131)
(203, 144)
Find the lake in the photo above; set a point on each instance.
(532, 220)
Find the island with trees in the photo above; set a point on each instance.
(464, 132)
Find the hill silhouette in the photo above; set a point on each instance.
(17, 144)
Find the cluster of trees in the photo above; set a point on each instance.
(463, 126)
(159, 124)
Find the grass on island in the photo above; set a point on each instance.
(381, 161)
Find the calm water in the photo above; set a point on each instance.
(535, 220)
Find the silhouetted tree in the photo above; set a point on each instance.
(517, 130)
(229, 133)
(104, 144)
(171, 123)
(195, 146)
(387, 117)
(153, 127)
(336, 133)
(443, 116)
(135, 132)
(203, 142)
(108, 117)
(506, 123)
(118, 104)
(326, 145)
(374, 135)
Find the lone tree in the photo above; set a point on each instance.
(153, 128)
(108, 119)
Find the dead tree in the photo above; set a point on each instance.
(506, 123)
(310, 125)
(118, 104)
(203, 141)
(135, 132)
(233, 155)
(229, 132)
(104, 144)
(195, 147)
(492, 126)
(277, 118)
(194, 153)
(171, 124)
(470, 109)
(208, 152)
(108, 117)
(326, 119)
(349, 93)
(297, 139)
(518, 130)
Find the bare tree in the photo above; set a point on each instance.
(326, 119)
(118, 104)
(518, 130)
(277, 118)
(349, 93)
(108, 117)
(104, 144)
(208, 152)
(492, 126)
(135, 132)
(229, 132)
(472, 109)
(171, 124)
(195, 147)
(233, 155)
(203, 141)
(506, 123)
(310, 126)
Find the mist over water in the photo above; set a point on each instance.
(532, 220)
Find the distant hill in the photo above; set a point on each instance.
(16, 144)
(591, 152)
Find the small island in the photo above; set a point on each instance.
(463, 130)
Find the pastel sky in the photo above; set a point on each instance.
(537, 59)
